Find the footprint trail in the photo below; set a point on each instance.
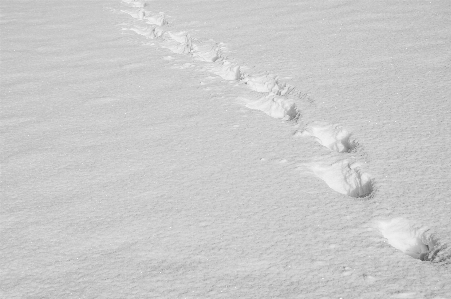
(339, 170)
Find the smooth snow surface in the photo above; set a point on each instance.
(225, 149)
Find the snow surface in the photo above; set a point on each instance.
(225, 149)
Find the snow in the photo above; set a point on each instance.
(343, 176)
(222, 149)
(407, 237)
(334, 137)
(275, 106)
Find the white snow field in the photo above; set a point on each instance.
(225, 149)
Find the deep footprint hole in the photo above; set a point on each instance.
(364, 189)
(368, 190)
(350, 144)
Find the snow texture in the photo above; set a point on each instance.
(150, 149)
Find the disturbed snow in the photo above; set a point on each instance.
(135, 162)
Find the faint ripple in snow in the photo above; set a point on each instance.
(149, 32)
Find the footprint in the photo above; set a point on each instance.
(414, 240)
(266, 83)
(148, 32)
(207, 51)
(274, 106)
(159, 19)
(180, 43)
(343, 176)
(141, 13)
(180, 37)
(334, 137)
(228, 71)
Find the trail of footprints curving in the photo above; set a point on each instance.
(340, 170)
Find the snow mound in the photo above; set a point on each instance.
(334, 137)
(414, 240)
(275, 106)
(228, 71)
(343, 176)
(266, 83)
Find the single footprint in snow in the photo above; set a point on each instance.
(159, 19)
(148, 32)
(180, 43)
(228, 71)
(136, 14)
(334, 137)
(207, 51)
(266, 83)
(414, 240)
(274, 106)
(343, 176)
(139, 14)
